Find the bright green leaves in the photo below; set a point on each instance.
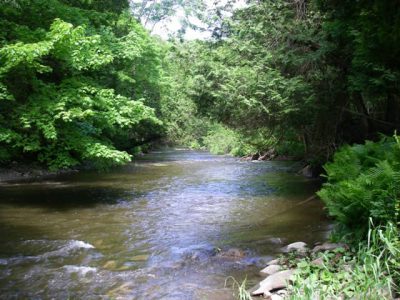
(63, 42)
(27, 54)
(71, 86)
(81, 51)
(98, 151)
(84, 115)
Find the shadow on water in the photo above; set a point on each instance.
(150, 230)
(60, 198)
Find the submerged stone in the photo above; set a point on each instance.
(232, 253)
(111, 264)
(141, 257)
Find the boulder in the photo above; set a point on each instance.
(269, 270)
(297, 247)
(276, 281)
(273, 262)
(328, 247)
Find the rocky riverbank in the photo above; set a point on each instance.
(281, 272)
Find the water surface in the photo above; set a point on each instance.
(152, 230)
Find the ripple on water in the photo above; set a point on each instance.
(151, 230)
(82, 270)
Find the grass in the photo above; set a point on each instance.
(369, 272)
(240, 288)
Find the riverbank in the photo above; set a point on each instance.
(282, 270)
(26, 172)
(17, 171)
(364, 270)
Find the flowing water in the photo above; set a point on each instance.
(156, 229)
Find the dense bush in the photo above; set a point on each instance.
(76, 83)
(364, 182)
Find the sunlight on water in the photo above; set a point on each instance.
(151, 230)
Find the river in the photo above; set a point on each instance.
(155, 229)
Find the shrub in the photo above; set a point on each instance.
(363, 181)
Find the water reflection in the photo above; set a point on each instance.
(150, 230)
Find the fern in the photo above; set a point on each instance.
(364, 182)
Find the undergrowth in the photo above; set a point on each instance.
(370, 271)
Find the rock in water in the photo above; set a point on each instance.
(233, 253)
(271, 269)
(276, 281)
(298, 247)
(307, 172)
(111, 264)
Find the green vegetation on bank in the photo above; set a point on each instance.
(83, 82)
(363, 182)
(362, 194)
(305, 76)
(77, 82)
(368, 270)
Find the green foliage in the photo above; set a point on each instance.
(247, 81)
(364, 182)
(74, 87)
(370, 272)
(309, 75)
(302, 77)
(222, 140)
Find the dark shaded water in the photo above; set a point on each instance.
(151, 230)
